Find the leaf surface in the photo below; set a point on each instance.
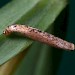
(36, 13)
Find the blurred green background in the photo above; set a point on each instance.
(42, 59)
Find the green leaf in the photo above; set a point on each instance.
(38, 61)
(36, 13)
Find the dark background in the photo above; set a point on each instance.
(67, 63)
